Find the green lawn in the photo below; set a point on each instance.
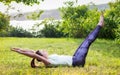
(103, 57)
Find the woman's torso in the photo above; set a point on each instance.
(60, 60)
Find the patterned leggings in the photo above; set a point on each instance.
(81, 53)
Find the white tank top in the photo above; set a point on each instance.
(60, 60)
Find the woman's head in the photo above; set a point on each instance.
(39, 53)
(42, 53)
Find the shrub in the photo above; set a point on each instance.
(73, 17)
(4, 21)
(51, 28)
(19, 32)
(112, 21)
(79, 21)
(117, 40)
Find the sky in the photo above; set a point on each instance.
(46, 5)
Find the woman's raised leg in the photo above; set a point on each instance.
(80, 54)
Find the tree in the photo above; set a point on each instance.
(4, 21)
(51, 28)
(34, 15)
(112, 21)
(77, 19)
(18, 32)
(115, 15)
(27, 2)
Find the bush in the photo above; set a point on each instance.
(19, 32)
(112, 21)
(4, 21)
(51, 28)
(115, 11)
(5, 32)
(72, 19)
(79, 21)
(117, 40)
(109, 29)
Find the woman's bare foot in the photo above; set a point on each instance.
(101, 21)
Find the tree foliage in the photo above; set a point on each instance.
(27, 2)
(35, 15)
(18, 32)
(112, 20)
(4, 21)
(51, 28)
(11, 31)
(114, 12)
(76, 20)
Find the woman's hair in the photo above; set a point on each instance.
(33, 60)
(39, 53)
(33, 63)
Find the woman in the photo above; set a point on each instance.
(78, 59)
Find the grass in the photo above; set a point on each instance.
(103, 57)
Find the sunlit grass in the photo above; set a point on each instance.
(103, 57)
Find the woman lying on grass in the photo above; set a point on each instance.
(78, 59)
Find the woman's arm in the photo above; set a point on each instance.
(32, 55)
(43, 59)
(22, 50)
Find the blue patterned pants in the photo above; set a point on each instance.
(81, 53)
